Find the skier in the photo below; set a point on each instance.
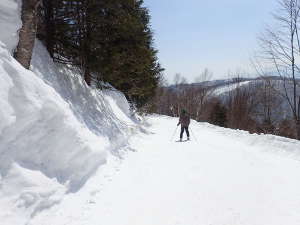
(184, 120)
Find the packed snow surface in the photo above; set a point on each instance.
(220, 177)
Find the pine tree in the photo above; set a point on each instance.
(111, 41)
(218, 115)
(133, 66)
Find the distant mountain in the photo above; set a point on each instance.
(222, 88)
(212, 83)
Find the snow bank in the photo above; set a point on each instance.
(41, 131)
(277, 145)
(55, 131)
(106, 113)
(10, 22)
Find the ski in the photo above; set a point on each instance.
(183, 141)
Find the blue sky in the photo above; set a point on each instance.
(220, 35)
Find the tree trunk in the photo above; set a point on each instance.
(27, 33)
(87, 75)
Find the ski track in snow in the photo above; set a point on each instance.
(217, 180)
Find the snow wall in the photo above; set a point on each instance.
(55, 131)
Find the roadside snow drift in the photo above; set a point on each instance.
(39, 130)
(63, 132)
(55, 131)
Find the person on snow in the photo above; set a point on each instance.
(184, 120)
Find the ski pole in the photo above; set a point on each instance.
(174, 133)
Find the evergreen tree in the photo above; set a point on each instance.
(218, 115)
(110, 41)
(129, 59)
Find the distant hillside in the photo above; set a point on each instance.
(258, 105)
(212, 83)
(223, 86)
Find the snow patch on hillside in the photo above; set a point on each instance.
(230, 87)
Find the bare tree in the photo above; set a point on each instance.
(205, 75)
(28, 31)
(281, 51)
(241, 107)
(177, 79)
(200, 94)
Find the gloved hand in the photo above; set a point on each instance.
(178, 124)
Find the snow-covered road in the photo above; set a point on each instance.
(224, 178)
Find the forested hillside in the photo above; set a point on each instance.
(257, 105)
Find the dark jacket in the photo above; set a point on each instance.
(184, 120)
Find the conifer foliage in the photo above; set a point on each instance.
(110, 40)
(218, 114)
